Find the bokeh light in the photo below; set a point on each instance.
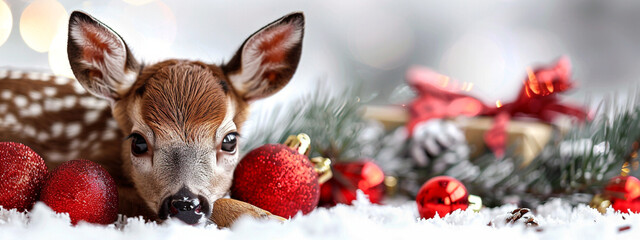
(58, 60)
(6, 21)
(40, 22)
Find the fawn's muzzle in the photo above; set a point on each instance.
(186, 206)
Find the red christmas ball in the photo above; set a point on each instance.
(22, 173)
(83, 189)
(442, 195)
(349, 177)
(278, 179)
(624, 193)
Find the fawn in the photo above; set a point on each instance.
(167, 132)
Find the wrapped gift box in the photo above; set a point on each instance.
(528, 137)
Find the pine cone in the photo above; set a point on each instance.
(518, 214)
(433, 139)
(522, 215)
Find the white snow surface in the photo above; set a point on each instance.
(362, 220)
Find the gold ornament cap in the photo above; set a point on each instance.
(323, 168)
(600, 203)
(302, 144)
(391, 185)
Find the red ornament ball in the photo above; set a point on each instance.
(443, 195)
(624, 193)
(22, 173)
(278, 179)
(83, 189)
(349, 177)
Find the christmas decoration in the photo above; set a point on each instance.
(22, 173)
(561, 167)
(537, 99)
(349, 177)
(280, 178)
(441, 195)
(528, 137)
(439, 102)
(83, 189)
(342, 135)
(622, 194)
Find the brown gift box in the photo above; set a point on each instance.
(528, 137)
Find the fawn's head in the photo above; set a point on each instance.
(182, 117)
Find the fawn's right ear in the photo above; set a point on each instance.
(99, 58)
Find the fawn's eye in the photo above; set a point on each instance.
(138, 144)
(229, 142)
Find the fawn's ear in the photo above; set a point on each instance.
(99, 58)
(267, 60)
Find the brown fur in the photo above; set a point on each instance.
(91, 134)
(184, 82)
(179, 98)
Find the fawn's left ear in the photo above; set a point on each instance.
(267, 60)
(99, 58)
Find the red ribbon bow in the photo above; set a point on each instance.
(537, 99)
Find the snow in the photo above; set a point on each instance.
(362, 220)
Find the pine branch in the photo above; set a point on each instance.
(333, 122)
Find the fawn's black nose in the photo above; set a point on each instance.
(186, 206)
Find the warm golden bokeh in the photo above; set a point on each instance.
(58, 60)
(6, 21)
(40, 22)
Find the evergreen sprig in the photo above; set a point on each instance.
(333, 122)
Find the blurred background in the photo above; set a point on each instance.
(485, 45)
(488, 43)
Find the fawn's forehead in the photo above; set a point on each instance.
(182, 99)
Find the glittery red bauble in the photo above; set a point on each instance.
(624, 193)
(83, 189)
(22, 173)
(349, 177)
(442, 195)
(278, 179)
